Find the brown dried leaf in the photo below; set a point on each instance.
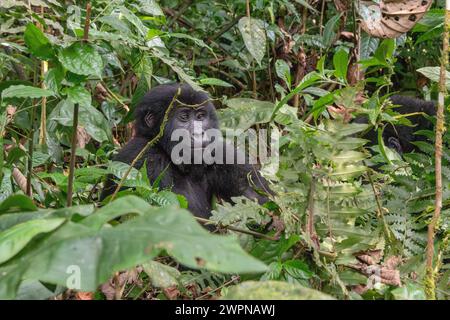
(390, 19)
(390, 277)
(171, 293)
(84, 296)
(392, 262)
(20, 179)
(370, 257)
(83, 137)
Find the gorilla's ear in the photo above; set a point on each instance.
(394, 143)
(149, 119)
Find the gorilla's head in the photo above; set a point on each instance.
(192, 114)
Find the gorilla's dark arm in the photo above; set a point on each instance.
(127, 154)
(233, 180)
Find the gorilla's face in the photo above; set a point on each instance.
(191, 117)
(194, 122)
(187, 130)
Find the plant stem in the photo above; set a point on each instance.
(73, 151)
(30, 152)
(148, 145)
(232, 228)
(430, 285)
(73, 148)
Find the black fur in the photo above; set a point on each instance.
(197, 182)
(400, 137)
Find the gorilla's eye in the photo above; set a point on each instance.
(200, 115)
(184, 116)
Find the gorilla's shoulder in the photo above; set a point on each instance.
(410, 105)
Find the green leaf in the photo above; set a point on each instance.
(97, 254)
(37, 42)
(81, 58)
(53, 79)
(368, 46)
(21, 91)
(433, 74)
(113, 210)
(244, 113)
(307, 81)
(14, 239)
(254, 35)
(386, 50)
(119, 169)
(161, 275)
(78, 94)
(215, 82)
(283, 71)
(95, 123)
(340, 62)
(17, 202)
(328, 34)
(297, 269)
(273, 290)
(409, 291)
(150, 7)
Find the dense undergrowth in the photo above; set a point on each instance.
(348, 220)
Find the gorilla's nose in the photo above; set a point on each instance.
(199, 140)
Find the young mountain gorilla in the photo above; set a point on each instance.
(400, 137)
(194, 113)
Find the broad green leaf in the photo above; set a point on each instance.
(37, 42)
(97, 254)
(14, 239)
(119, 169)
(297, 269)
(176, 68)
(273, 290)
(340, 62)
(112, 210)
(35, 290)
(17, 202)
(92, 120)
(215, 82)
(135, 21)
(410, 291)
(308, 80)
(6, 188)
(386, 50)
(329, 34)
(197, 41)
(283, 71)
(95, 123)
(244, 113)
(433, 74)
(368, 46)
(161, 275)
(53, 79)
(254, 35)
(81, 58)
(78, 94)
(150, 7)
(21, 91)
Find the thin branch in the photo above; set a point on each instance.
(73, 150)
(44, 69)
(232, 228)
(148, 145)
(380, 214)
(430, 285)
(87, 22)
